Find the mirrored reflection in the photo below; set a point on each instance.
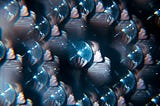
(129, 81)
(9, 10)
(34, 52)
(86, 6)
(112, 8)
(54, 96)
(60, 10)
(125, 84)
(127, 29)
(108, 98)
(2, 50)
(85, 101)
(82, 50)
(40, 79)
(135, 57)
(43, 28)
(7, 94)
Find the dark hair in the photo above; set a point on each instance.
(140, 97)
(150, 74)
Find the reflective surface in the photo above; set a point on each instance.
(85, 101)
(87, 6)
(82, 50)
(54, 96)
(135, 55)
(43, 27)
(34, 52)
(113, 9)
(127, 27)
(7, 94)
(9, 10)
(108, 98)
(129, 81)
(39, 79)
(60, 8)
(2, 50)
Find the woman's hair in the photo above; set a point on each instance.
(150, 74)
(140, 97)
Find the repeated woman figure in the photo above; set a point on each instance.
(81, 33)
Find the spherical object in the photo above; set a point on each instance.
(129, 81)
(108, 97)
(60, 10)
(127, 30)
(40, 78)
(34, 52)
(136, 56)
(87, 6)
(43, 27)
(54, 96)
(7, 94)
(82, 50)
(9, 10)
(112, 9)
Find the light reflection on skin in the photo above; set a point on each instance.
(20, 98)
(24, 11)
(99, 7)
(142, 34)
(71, 100)
(74, 13)
(121, 101)
(141, 84)
(55, 31)
(148, 59)
(96, 51)
(53, 81)
(47, 55)
(124, 12)
(96, 103)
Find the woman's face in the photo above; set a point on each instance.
(53, 81)
(141, 84)
(148, 59)
(47, 55)
(71, 100)
(141, 30)
(142, 34)
(74, 13)
(96, 52)
(55, 31)
(11, 54)
(24, 11)
(21, 98)
(121, 101)
(99, 6)
(124, 15)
